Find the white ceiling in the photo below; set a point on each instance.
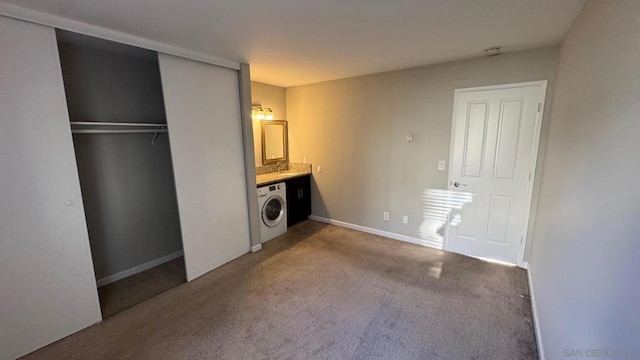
(294, 42)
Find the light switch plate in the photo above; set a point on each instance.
(442, 165)
(304, 159)
(405, 219)
(319, 167)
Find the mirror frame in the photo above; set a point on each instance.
(285, 141)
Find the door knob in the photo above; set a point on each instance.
(457, 184)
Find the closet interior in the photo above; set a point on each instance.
(116, 107)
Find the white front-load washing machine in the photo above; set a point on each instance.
(273, 211)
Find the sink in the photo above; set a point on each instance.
(288, 172)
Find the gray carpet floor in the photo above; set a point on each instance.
(324, 292)
(123, 294)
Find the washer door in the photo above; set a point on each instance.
(273, 211)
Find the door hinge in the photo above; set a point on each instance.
(539, 106)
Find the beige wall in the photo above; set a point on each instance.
(584, 263)
(355, 129)
(270, 96)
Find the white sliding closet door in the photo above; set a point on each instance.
(47, 284)
(203, 114)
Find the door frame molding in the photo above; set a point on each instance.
(58, 22)
(542, 91)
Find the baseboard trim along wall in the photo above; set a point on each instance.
(139, 268)
(373, 231)
(536, 322)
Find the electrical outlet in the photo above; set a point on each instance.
(319, 168)
(405, 219)
(385, 215)
(442, 165)
(304, 159)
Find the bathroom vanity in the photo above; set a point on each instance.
(298, 190)
(276, 168)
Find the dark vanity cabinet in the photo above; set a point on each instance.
(298, 199)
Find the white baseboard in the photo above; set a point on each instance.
(139, 268)
(256, 248)
(373, 231)
(536, 322)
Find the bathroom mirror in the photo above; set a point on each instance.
(274, 141)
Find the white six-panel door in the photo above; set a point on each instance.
(494, 146)
(202, 102)
(47, 283)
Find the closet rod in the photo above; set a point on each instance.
(105, 131)
(96, 123)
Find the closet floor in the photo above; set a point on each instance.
(123, 294)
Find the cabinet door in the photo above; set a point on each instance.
(293, 197)
(305, 197)
(298, 200)
(203, 115)
(46, 272)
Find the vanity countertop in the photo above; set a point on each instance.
(268, 178)
(267, 174)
